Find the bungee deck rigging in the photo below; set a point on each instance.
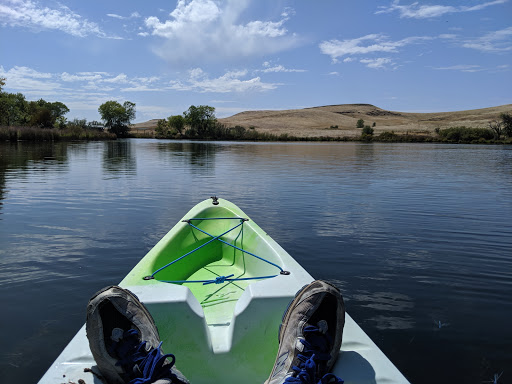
(219, 279)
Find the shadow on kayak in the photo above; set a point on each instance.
(354, 368)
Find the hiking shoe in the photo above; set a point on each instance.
(124, 340)
(310, 336)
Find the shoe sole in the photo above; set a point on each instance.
(132, 295)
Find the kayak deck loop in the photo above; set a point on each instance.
(218, 279)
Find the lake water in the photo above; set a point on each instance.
(417, 236)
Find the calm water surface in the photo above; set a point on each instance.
(418, 237)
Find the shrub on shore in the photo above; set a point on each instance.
(466, 135)
(53, 134)
(392, 137)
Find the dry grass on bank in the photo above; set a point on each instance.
(316, 122)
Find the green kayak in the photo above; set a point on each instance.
(217, 286)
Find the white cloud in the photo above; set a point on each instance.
(30, 14)
(141, 88)
(230, 82)
(134, 15)
(497, 41)
(199, 30)
(417, 11)
(119, 79)
(80, 77)
(364, 45)
(448, 36)
(114, 16)
(73, 85)
(29, 80)
(462, 68)
(269, 67)
(377, 63)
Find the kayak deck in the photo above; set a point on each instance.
(218, 302)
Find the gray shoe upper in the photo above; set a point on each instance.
(115, 307)
(318, 304)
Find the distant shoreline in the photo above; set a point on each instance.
(319, 122)
(456, 135)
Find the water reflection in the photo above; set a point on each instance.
(119, 158)
(198, 156)
(19, 158)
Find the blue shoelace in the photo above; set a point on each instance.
(140, 365)
(316, 346)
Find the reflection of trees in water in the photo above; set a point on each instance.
(200, 156)
(19, 156)
(119, 157)
(365, 153)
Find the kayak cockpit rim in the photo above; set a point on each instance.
(221, 278)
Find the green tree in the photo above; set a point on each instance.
(497, 128)
(117, 117)
(57, 109)
(162, 128)
(506, 120)
(42, 117)
(367, 133)
(13, 109)
(177, 122)
(367, 130)
(360, 123)
(200, 119)
(44, 114)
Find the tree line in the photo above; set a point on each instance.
(196, 121)
(15, 110)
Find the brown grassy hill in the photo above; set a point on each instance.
(148, 126)
(314, 122)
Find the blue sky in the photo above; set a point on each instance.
(239, 55)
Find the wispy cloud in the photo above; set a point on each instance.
(497, 41)
(378, 63)
(43, 84)
(30, 14)
(417, 11)
(472, 68)
(134, 15)
(461, 68)
(84, 76)
(233, 81)
(29, 80)
(205, 29)
(448, 36)
(268, 67)
(366, 44)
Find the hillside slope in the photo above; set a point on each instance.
(311, 122)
